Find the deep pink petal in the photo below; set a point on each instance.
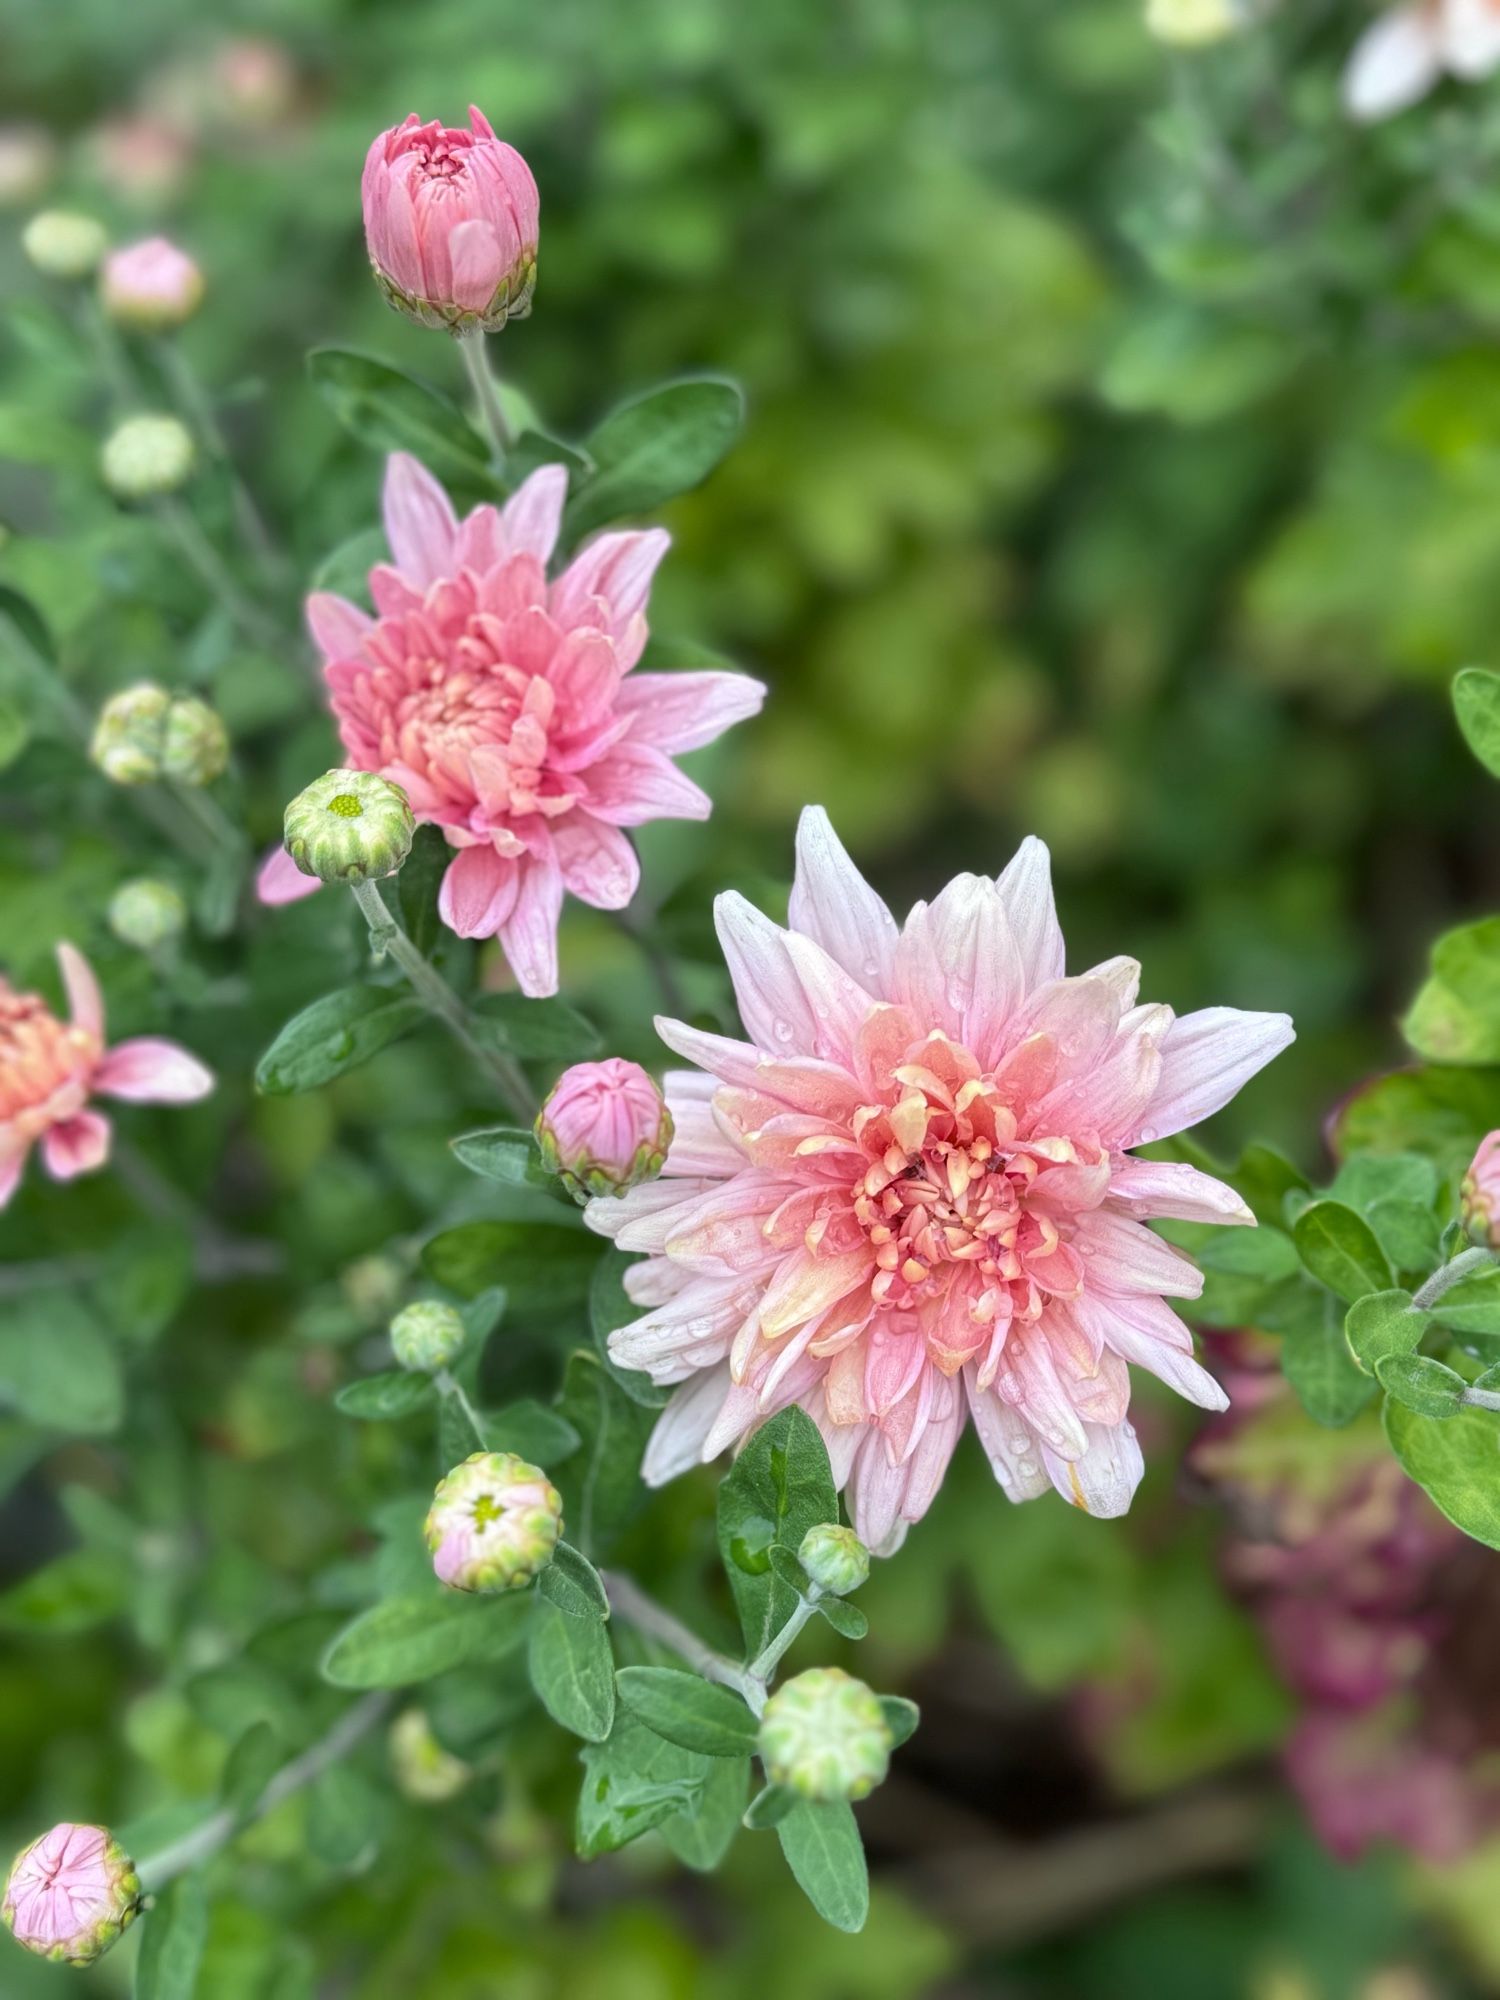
(598, 863)
(479, 261)
(529, 934)
(281, 881)
(337, 626)
(479, 891)
(420, 525)
(77, 1146)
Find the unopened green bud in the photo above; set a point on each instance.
(824, 1736)
(127, 740)
(423, 1769)
(835, 1559)
(349, 826)
(372, 1285)
(195, 744)
(493, 1523)
(146, 913)
(427, 1335)
(63, 244)
(147, 457)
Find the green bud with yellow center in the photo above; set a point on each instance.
(427, 1335)
(349, 827)
(824, 1736)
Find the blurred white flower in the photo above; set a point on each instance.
(1402, 55)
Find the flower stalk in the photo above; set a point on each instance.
(1464, 1265)
(476, 360)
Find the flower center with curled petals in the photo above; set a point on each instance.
(39, 1055)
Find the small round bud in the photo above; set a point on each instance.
(1479, 1194)
(372, 1285)
(825, 1736)
(152, 286)
(349, 826)
(427, 1335)
(835, 1559)
(604, 1127)
(127, 740)
(62, 244)
(1195, 24)
(146, 457)
(195, 744)
(423, 1769)
(28, 160)
(147, 914)
(71, 1893)
(493, 1523)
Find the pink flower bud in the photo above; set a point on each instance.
(604, 1127)
(71, 1893)
(151, 285)
(493, 1523)
(451, 223)
(1479, 1196)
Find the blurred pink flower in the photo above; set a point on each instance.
(49, 1070)
(604, 1127)
(505, 707)
(908, 1197)
(1479, 1196)
(143, 158)
(70, 1894)
(1407, 50)
(451, 223)
(152, 285)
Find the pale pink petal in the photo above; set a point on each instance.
(420, 525)
(833, 904)
(1205, 1059)
(635, 783)
(78, 1145)
(528, 935)
(1026, 890)
(530, 519)
(479, 263)
(85, 1001)
(337, 626)
(280, 880)
(1145, 1188)
(772, 1005)
(676, 1444)
(599, 865)
(12, 1166)
(1124, 1256)
(479, 891)
(151, 1071)
(1395, 61)
(1134, 1338)
(616, 568)
(678, 712)
(875, 1491)
(1470, 37)
(1103, 1481)
(1010, 1445)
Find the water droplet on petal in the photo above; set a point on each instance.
(783, 1031)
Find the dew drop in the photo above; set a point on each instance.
(1025, 1467)
(872, 970)
(783, 1031)
(1146, 1135)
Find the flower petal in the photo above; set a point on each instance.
(678, 712)
(633, 783)
(76, 1146)
(420, 524)
(835, 906)
(531, 517)
(1205, 1059)
(598, 863)
(1103, 1481)
(149, 1070)
(479, 891)
(281, 881)
(1026, 890)
(85, 1002)
(1145, 1188)
(338, 627)
(528, 935)
(677, 1441)
(1395, 61)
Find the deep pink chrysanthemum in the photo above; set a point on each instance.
(49, 1069)
(506, 709)
(909, 1195)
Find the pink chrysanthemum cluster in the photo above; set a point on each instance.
(506, 709)
(49, 1069)
(908, 1197)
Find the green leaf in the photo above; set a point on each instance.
(343, 1809)
(15, 732)
(824, 1851)
(72, 1594)
(611, 1306)
(334, 1035)
(531, 1430)
(345, 571)
(1267, 1253)
(1455, 1017)
(701, 1836)
(846, 1619)
(571, 1582)
(649, 450)
(1407, 1232)
(31, 436)
(391, 411)
(1455, 1461)
(249, 1768)
(688, 1710)
(1429, 1387)
(57, 1367)
(1476, 702)
(1471, 1307)
(1441, 1113)
(502, 1153)
(173, 1934)
(778, 1488)
(1340, 1250)
(29, 623)
(1382, 1324)
(418, 885)
(1320, 1368)
(633, 1782)
(379, 1397)
(543, 1031)
(601, 1485)
(1370, 1178)
(414, 1636)
(542, 1267)
(902, 1717)
(770, 1807)
(572, 1669)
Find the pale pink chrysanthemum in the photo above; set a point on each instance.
(49, 1069)
(909, 1196)
(1407, 50)
(505, 707)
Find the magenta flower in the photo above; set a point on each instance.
(70, 1894)
(505, 708)
(604, 1126)
(451, 223)
(49, 1069)
(909, 1198)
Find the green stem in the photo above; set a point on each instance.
(1482, 1399)
(157, 1870)
(1450, 1274)
(673, 997)
(210, 816)
(194, 402)
(476, 360)
(448, 1385)
(438, 997)
(765, 1663)
(628, 1601)
(203, 557)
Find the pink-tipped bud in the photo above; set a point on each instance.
(493, 1523)
(451, 224)
(152, 285)
(604, 1127)
(71, 1893)
(1479, 1196)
